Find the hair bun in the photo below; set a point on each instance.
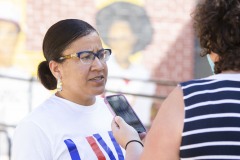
(46, 77)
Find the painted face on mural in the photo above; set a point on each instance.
(8, 40)
(125, 27)
(121, 40)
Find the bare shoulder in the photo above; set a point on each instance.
(164, 138)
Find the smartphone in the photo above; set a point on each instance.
(119, 106)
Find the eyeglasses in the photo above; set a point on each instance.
(87, 57)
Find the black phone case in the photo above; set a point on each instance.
(135, 122)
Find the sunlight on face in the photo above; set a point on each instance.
(84, 79)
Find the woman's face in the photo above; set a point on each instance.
(83, 81)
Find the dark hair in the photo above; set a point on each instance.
(58, 37)
(217, 24)
(135, 15)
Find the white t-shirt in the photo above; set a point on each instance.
(63, 130)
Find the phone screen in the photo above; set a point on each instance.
(121, 107)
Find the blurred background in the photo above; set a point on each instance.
(153, 43)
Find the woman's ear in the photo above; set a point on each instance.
(55, 68)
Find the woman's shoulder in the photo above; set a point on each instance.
(211, 80)
(40, 112)
(196, 81)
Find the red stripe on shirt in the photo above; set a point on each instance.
(95, 148)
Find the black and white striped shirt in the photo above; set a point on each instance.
(212, 118)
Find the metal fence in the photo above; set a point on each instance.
(18, 96)
(5, 139)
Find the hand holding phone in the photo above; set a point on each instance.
(119, 106)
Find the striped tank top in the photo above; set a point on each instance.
(212, 118)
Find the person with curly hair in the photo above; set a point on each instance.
(200, 119)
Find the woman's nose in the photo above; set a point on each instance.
(97, 64)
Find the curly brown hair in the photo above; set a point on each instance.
(217, 25)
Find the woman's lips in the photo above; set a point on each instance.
(97, 79)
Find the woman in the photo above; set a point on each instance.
(200, 119)
(73, 124)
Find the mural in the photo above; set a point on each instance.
(19, 92)
(126, 29)
(9, 33)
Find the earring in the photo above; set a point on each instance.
(59, 84)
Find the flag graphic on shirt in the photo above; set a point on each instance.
(96, 142)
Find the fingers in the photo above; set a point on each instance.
(119, 121)
(114, 125)
(123, 132)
